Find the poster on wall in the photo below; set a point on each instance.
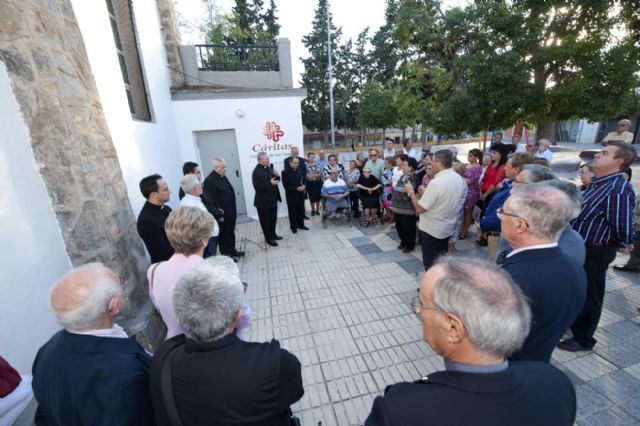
(274, 145)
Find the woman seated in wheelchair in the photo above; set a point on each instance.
(335, 194)
(369, 196)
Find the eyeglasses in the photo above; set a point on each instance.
(502, 213)
(419, 307)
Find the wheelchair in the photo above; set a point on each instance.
(340, 211)
(381, 216)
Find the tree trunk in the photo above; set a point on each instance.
(423, 135)
(404, 134)
(413, 133)
(383, 134)
(546, 129)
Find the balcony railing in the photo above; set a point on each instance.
(237, 58)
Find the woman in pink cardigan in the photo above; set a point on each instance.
(188, 230)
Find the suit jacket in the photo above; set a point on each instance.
(228, 382)
(302, 165)
(89, 380)
(490, 220)
(292, 179)
(151, 229)
(526, 394)
(556, 286)
(267, 195)
(218, 193)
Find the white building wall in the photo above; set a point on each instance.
(248, 118)
(587, 132)
(143, 147)
(32, 251)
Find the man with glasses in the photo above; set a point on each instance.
(621, 134)
(479, 386)
(555, 283)
(606, 225)
(375, 164)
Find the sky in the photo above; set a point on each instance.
(295, 17)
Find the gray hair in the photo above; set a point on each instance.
(534, 173)
(546, 209)
(493, 309)
(207, 298)
(261, 155)
(215, 163)
(189, 182)
(571, 190)
(103, 285)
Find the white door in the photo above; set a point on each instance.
(222, 144)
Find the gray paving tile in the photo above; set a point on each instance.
(589, 401)
(368, 249)
(617, 386)
(412, 266)
(614, 416)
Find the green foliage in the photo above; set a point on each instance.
(376, 106)
(246, 25)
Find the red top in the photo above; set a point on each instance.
(9, 378)
(492, 177)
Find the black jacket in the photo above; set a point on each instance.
(292, 179)
(228, 382)
(302, 165)
(526, 394)
(556, 287)
(218, 193)
(151, 229)
(267, 195)
(88, 380)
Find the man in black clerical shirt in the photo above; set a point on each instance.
(152, 217)
(219, 197)
(293, 182)
(265, 182)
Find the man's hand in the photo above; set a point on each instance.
(370, 191)
(300, 188)
(408, 187)
(274, 181)
(221, 219)
(221, 211)
(421, 190)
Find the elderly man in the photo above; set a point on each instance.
(621, 134)
(265, 182)
(152, 217)
(407, 148)
(293, 182)
(606, 224)
(295, 153)
(438, 207)
(321, 161)
(555, 283)
(219, 197)
(544, 151)
(192, 189)
(91, 372)
(479, 387)
(213, 376)
(375, 164)
(335, 193)
(389, 148)
(190, 168)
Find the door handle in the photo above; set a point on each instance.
(237, 174)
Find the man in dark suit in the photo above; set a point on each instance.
(265, 182)
(219, 198)
(475, 316)
(215, 377)
(91, 372)
(555, 283)
(152, 217)
(293, 182)
(302, 165)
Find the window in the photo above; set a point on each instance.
(124, 36)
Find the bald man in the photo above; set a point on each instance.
(621, 134)
(91, 372)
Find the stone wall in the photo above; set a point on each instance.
(43, 51)
(171, 38)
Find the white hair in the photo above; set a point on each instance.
(546, 209)
(207, 298)
(492, 308)
(103, 288)
(215, 163)
(189, 182)
(572, 191)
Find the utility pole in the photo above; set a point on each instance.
(333, 132)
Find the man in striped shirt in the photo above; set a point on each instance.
(606, 224)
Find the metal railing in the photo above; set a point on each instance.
(237, 58)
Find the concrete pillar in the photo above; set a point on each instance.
(189, 64)
(284, 59)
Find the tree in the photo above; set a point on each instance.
(315, 107)
(243, 30)
(376, 107)
(271, 25)
(495, 63)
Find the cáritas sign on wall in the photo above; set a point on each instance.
(272, 131)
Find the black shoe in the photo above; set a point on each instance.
(303, 227)
(306, 217)
(277, 237)
(400, 247)
(295, 231)
(407, 250)
(482, 242)
(235, 259)
(237, 253)
(272, 243)
(626, 268)
(571, 346)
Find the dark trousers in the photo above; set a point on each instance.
(596, 263)
(354, 198)
(432, 248)
(211, 248)
(406, 227)
(268, 219)
(227, 235)
(295, 205)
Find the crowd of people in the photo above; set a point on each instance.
(495, 322)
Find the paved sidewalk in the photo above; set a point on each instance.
(338, 299)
